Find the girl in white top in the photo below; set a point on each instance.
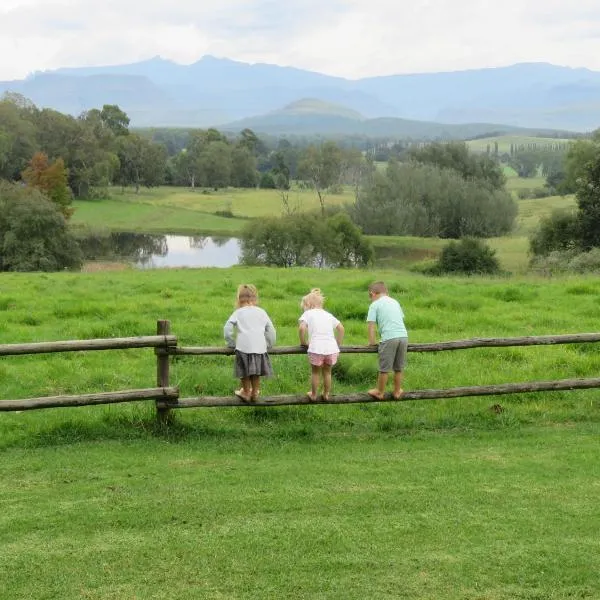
(250, 331)
(325, 333)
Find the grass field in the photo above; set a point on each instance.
(437, 499)
(178, 210)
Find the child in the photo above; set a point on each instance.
(385, 315)
(255, 335)
(323, 350)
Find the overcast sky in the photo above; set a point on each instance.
(349, 38)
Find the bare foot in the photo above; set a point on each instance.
(254, 396)
(398, 396)
(375, 393)
(312, 397)
(242, 395)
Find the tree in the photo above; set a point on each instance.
(17, 138)
(51, 179)
(588, 198)
(321, 167)
(424, 200)
(115, 119)
(456, 156)
(306, 240)
(141, 162)
(243, 168)
(33, 233)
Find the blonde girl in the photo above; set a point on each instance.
(323, 334)
(251, 332)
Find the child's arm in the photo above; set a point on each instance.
(339, 334)
(303, 333)
(270, 334)
(229, 332)
(372, 327)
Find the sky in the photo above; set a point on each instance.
(347, 38)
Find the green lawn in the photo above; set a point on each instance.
(476, 498)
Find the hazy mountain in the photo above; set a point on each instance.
(216, 91)
(312, 116)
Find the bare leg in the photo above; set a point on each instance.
(326, 381)
(315, 378)
(255, 387)
(398, 377)
(379, 391)
(245, 392)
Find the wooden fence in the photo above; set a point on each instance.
(167, 396)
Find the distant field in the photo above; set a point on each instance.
(505, 141)
(179, 210)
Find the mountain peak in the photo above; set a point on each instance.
(314, 106)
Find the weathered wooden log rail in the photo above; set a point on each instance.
(167, 396)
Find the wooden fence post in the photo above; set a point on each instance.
(163, 413)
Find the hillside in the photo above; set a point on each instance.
(212, 91)
(312, 117)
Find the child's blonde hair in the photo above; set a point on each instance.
(314, 299)
(246, 294)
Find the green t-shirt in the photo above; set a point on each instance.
(388, 315)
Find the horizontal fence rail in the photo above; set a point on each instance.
(167, 397)
(149, 341)
(159, 393)
(540, 340)
(457, 392)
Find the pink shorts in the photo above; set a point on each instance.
(318, 360)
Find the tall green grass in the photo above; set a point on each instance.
(481, 498)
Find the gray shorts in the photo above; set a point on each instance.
(392, 355)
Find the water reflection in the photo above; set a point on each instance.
(148, 251)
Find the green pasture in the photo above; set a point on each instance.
(179, 210)
(489, 498)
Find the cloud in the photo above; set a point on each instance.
(350, 38)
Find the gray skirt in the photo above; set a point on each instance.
(248, 365)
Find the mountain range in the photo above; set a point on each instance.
(226, 93)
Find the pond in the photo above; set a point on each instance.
(147, 251)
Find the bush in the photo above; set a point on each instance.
(558, 232)
(33, 232)
(468, 256)
(428, 201)
(306, 240)
(267, 181)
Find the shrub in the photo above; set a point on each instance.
(33, 232)
(267, 181)
(558, 232)
(467, 256)
(306, 240)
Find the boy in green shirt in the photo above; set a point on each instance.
(386, 316)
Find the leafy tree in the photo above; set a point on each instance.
(321, 167)
(142, 163)
(17, 138)
(51, 179)
(216, 164)
(456, 156)
(424, 200)
(33, 232)
(305, 240)
(588, 198)
(115, 119)
(243, 168)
